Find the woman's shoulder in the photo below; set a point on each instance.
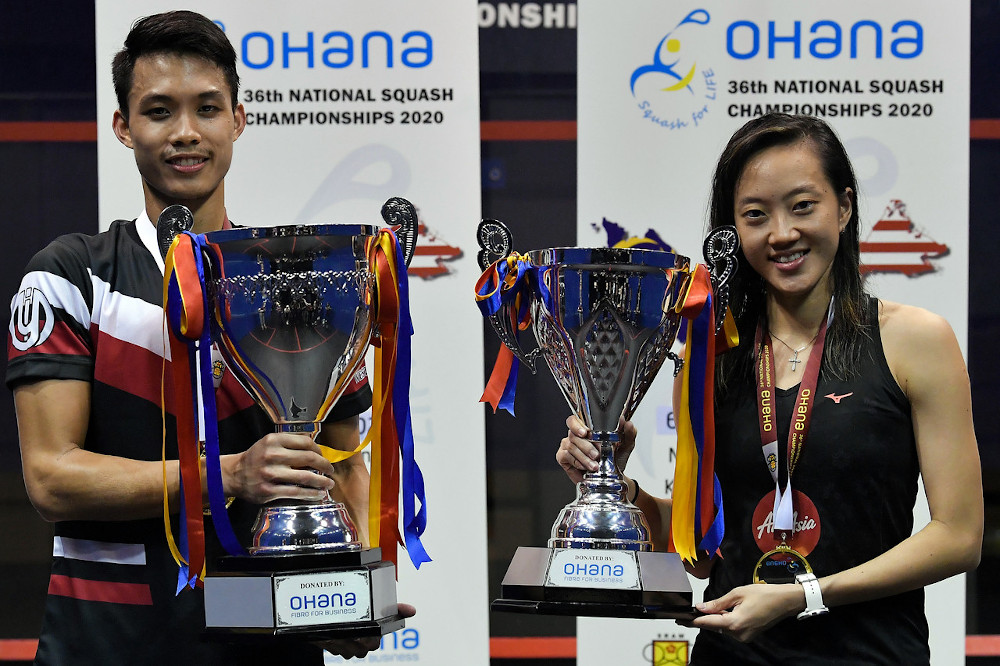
(903, 323)
(911, 337)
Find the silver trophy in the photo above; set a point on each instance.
(293, 312)
(604, 320)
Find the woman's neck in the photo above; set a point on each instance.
(797, 320)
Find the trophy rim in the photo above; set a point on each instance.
(287, 230)
(601, 257)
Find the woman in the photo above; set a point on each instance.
(880, 394)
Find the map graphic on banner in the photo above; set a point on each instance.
(662, 87)
(349, 104)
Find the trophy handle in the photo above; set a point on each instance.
(400, 213)
(720, 249)
(172, 221)
(495, 242)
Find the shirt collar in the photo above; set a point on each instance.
(147, 234)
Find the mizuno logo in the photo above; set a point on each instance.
(837, 398)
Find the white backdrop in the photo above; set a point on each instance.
(293, 164)
(646, 155)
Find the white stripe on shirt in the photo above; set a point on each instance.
(99, 551)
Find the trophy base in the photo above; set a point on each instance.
(598, 583)
(310, 596)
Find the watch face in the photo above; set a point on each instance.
(815, 612)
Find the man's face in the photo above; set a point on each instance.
(181, 127)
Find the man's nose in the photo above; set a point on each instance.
(185, 130)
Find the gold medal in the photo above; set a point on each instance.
(780, 565)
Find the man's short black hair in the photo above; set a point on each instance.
(179, 32)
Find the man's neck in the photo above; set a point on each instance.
(209, 213)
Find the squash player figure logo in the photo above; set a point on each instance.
(673, 71)
(667, 49)
(31, 319)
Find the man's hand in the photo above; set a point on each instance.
(359, 647)
(279, 465)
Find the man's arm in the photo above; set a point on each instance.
(65, 481)
(350, 476)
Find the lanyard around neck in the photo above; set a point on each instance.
(784, 513)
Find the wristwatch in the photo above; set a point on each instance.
(814, 598)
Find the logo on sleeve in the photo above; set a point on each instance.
(31, 319)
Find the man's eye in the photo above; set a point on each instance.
(157, 112)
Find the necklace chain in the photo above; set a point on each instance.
(794, 360)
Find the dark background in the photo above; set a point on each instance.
(47, 73)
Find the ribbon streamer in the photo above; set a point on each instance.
(503, 291)
(697, 519)
(391, 433)
(186, 308)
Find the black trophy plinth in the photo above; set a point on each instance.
(302, 596)
(663, 590)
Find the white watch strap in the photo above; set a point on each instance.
(814, 596)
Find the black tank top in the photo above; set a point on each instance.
(859, 468)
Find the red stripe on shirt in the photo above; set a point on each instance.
(61, 340)
(130, 368)
(135, 594)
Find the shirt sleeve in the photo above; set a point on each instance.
(49, 332)
(356, 398)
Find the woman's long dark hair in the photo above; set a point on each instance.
(851, 320)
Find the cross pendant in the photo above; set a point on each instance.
(795, 361)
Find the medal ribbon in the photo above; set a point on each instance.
(697, 518)
(185, 308)
(503, 288)
(784, 510)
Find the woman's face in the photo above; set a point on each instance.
(789, 219)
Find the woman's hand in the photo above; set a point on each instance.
(748, 610)
(578, 455)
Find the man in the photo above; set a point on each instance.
(85, 366)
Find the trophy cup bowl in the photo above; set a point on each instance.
(604, 320)
(293, 312)
(604, 333)
(292, 308)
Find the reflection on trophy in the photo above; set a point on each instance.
(604, 320)
(293, 310)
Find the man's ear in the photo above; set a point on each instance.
(240, 121)
(120, 125)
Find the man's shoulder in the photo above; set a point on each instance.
(80, 250)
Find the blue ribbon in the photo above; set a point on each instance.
(414, 521)
(202, 348)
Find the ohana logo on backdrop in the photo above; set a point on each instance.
(31, 319)
(666, 650)
(674, 91)
(895, 245)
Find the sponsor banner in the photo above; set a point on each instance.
(662, 86)
(348, 104)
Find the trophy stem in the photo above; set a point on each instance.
(601, 517)
(289, 526)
